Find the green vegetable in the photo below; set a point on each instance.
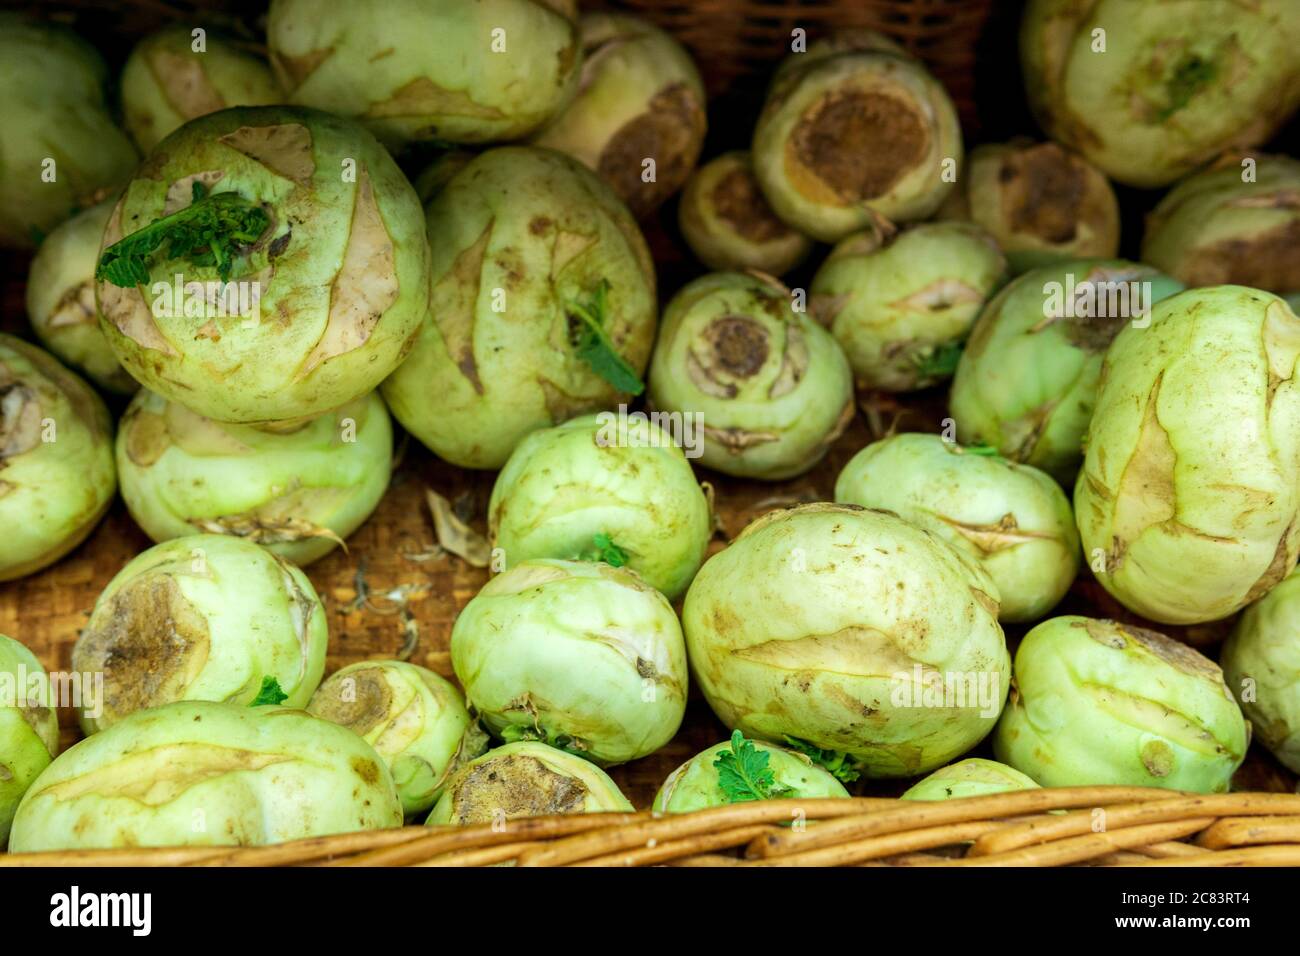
(543, 306)
(1261, 663)
(166, 82)
(1039, 201)
(607, 551)
(583, 655)
(29, 728)
(1098, 703)
(1026, 383)
(205, 617)
(592, 344)
(62, 150)
(850, 136)
(1188, 504)
(891, 635)
(639, 98)
(56, 459)
(418, 70)
(415, 720)
(321, 238)
(525, 779)
(743, 773)
(901, 307)
(836, 762)
(61, 300)
(270, 694)
(972, 777)
(772, 387)
(741, 770)
(299, 493)
(730, 226)
(198, 773)
(591, 491)
(211, 231)
(1216, 227)
(1149, 92)
(1014, 520)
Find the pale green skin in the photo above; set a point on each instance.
(61, 300)
(297, 493)
(1188, 499)
(310, 351)
(551, 775)
(1098, 703)
(818, 209)
(1027, 384)
(567, 484)
(29, 731)
(1130, 110)
(234, 614)
(724, 244)
(901, 310)
(576, 653)
(694, 785)
(197, 773)
(166, 83)
(972, 777)
(54, 109)
(56, 459)
(1264, 650)
(769, 419)
(1012, 519)
(809, 625)
(545, 231)
(427, 69)
(1022, 192)
(414, 719)
(628, 64)
(1212, 228)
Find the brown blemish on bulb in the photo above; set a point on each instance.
(517, 785)
(295, 69)
(371, 704)
(454, 302)
(739, 345)
(185, 84)
(1043, 192)
(20, 416)
(366, 769)
(284, 149)
(1265, 260)
(145, 436)
(148, 641)
(854, 145)
(670, 131)
(364, 288)
(423, 97)
(1094, 332)
(738, 201)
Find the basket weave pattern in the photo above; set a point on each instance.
(1101, 826)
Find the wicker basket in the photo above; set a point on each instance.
(1090, 826)
(735, 42)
